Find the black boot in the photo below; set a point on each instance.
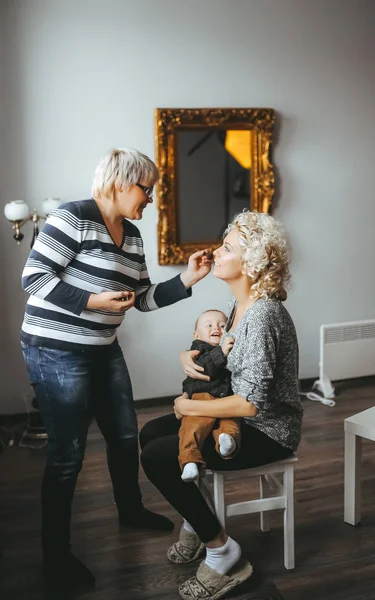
(60, 567)
(123, 464)
(145, 519)
(67, 572)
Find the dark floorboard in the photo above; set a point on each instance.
(333, 560)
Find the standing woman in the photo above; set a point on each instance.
(253, 261)
(86, 269)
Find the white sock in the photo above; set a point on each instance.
(224, 558)
(188, 527)
(227, 444)
(190, 472)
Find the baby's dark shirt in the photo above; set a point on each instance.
(212, 359)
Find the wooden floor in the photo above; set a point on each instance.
(333, 560)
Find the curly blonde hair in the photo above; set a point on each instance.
(265, 253)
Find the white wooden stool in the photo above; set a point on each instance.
(361, 425)
(269, 483)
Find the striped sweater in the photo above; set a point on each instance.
(73, 257)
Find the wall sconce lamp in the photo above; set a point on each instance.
(18, 213)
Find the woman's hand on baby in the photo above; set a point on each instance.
(116, 302)
(227, 345)
(177, 414)
(199, 266)
(178, 406)
(191, 369)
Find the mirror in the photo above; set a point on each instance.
(212, 164)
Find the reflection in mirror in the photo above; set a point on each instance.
(214, 174)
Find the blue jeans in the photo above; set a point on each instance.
(72, 387)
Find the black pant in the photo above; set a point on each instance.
(160, 446)
(71, 388)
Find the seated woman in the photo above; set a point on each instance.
(253, 261)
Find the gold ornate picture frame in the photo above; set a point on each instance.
(168, 122)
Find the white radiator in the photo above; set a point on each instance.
(347, 350)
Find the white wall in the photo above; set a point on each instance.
(83, 76)
(11, 367)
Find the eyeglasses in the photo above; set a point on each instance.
(148, 191)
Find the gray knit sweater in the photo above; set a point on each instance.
(264, 367)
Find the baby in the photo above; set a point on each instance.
(195, 430)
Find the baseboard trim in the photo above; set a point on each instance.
(152, 402)
(305, 385)
(16, 418)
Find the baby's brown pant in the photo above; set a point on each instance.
(195, 430)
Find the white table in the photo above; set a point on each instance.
(361, 425)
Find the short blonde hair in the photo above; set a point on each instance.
(121, 168)
(265, 253)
